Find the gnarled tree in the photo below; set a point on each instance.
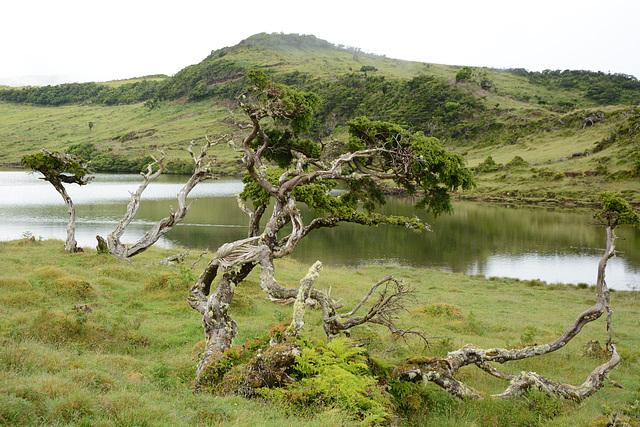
(441, 371)
(202, 171)
(376, 154)
(59, 169)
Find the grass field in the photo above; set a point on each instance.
(89, 340)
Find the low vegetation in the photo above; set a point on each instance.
(89, 339)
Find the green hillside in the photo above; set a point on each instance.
(542, 137)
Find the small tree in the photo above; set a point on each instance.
(202, 171)
(59, 169)
(442, 371)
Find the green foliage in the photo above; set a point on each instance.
(367, 69)
(488, 165)
(281, 144)
(212, 77)
(252, 191)
(517, 162)
(435, 170)
(616, 211)
(86, 93)
(423, 103)
(335, 374)
(464, 75)
(104, 161)
(604, 89)
(280, 102)
(58, 167)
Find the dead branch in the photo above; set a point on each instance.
(201, 172)
(594, 382)
(173, 260)
(437, 369)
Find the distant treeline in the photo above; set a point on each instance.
(103, 161)
(602, 88)
(83, 93)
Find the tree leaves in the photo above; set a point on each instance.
(616, 211)
(58, 166)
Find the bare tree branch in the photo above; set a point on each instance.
(201, 173)
(437, 368)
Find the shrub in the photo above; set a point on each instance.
(489, 165)
(517, 162)
(441, 310)
(464, 75)
(335, 374)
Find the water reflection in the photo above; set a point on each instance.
(529, 243)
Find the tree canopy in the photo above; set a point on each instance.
(59, 169)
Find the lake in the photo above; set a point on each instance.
(553, 245)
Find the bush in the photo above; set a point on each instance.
(517, 162)
(489, 165)
(464, 75)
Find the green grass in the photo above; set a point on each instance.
(131, 359)
(26, 129)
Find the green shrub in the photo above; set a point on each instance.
(488, 165)
(464, 75)
(517, 162)
(335, 374)
(441, 310)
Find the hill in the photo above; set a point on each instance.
(572, 133)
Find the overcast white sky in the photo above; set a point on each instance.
(80, 40)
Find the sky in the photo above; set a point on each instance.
(63, 41)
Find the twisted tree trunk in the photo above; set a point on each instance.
(441, 371)
(70, 244)
(201, 173)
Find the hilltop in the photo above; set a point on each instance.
(540, 137)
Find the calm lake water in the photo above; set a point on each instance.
(554, 245)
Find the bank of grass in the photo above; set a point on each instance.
(88, 340)
(126, 131)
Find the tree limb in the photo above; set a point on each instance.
(201, 173)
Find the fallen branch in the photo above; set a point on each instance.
(442, 371)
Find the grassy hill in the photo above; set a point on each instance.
(576, 132)
(89, 340)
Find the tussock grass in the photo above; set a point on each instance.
(130, 359)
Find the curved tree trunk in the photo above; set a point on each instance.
(201, 173)
(70, 245)
(442, 371)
